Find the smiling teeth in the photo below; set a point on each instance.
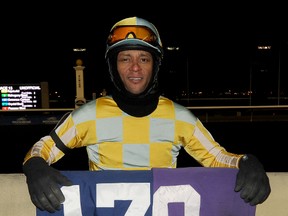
(135, 78)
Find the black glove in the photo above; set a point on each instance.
(44, 184)
(252, 181)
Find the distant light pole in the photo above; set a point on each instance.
(80, 99)
(279, 74)
(188, 82)
(79, 69)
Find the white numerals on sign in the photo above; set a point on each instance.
(72, 203)
(174, 194)
(138, 193)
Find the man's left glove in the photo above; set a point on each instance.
(252, 180)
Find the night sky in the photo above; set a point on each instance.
(217, 42)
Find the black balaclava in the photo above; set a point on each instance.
(137, 105)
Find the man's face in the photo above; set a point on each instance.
(135, 69)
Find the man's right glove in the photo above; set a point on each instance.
(44, 184)
(252, 180)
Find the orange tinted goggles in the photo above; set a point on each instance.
(132, 32)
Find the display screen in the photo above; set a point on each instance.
(20, 96)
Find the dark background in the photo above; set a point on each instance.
(217, 41)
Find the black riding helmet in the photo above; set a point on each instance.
(134, 33)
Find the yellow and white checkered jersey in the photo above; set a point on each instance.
(116, 140)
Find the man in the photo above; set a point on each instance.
(135, 128)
